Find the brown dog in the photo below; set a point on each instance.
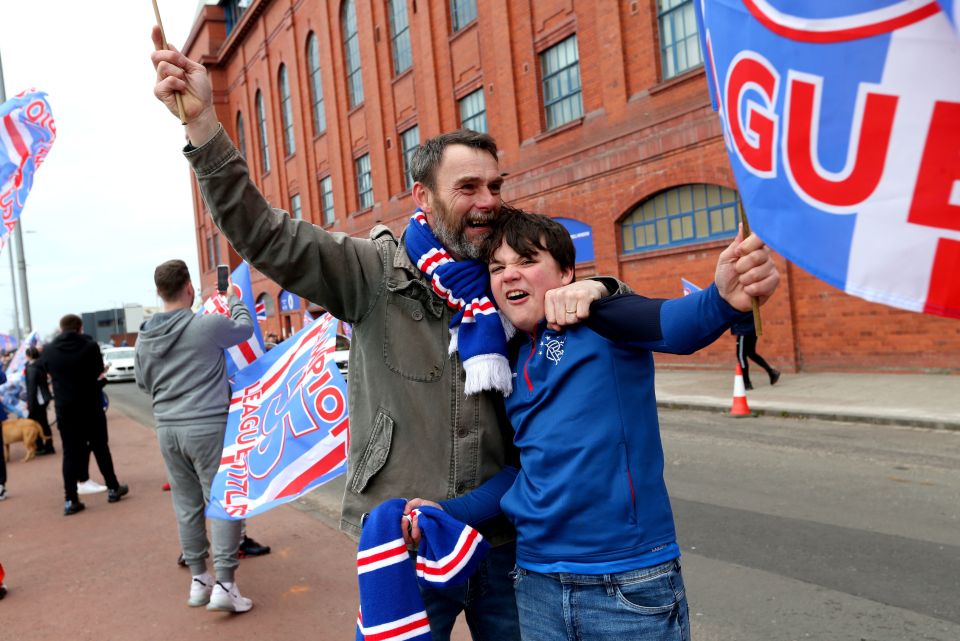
(22, 429)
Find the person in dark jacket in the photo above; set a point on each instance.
(746, 335)
(38, 397)
(74, 363)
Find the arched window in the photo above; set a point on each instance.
(399, 36)
(316, 88)
(681, 216)
(262, 127)
(286, 113)
(351, 46)
(241, 137)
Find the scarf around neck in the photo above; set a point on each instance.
(477, 330)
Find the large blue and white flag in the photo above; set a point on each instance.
(27, 131)
(842, 122)
(242, 354)
(287, 430)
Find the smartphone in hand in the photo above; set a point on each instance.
(223, 278)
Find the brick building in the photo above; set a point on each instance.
(601, 112)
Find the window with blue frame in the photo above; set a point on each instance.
(681, 216)
(262, 128)
(473, 111)
(364, 182)
(351, 46)
(326, 200)
(679, 37)
(316, 86)
(462, 13)
(241, 136)
(409, 141)
(233, 12)
(286, 112)
(560, 66)
(400, 36)
(296, 211)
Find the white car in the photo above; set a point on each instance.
(119, 362)
(342, 355)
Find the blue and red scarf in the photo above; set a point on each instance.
(390, 605)
(477, 330)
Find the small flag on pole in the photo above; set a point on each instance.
(242, 354)
(688, 287)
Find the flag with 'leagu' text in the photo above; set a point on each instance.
(842, 123)
(287, 429)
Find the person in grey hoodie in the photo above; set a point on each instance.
(180, 362)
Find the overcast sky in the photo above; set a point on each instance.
(112, 200)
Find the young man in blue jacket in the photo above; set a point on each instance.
(596, 545)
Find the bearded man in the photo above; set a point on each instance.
(426, 411)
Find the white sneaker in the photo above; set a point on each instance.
(200, 588)
(228, 599)
(90, 487)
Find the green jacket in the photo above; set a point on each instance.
(413, 432)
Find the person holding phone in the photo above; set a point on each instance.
(179, 361)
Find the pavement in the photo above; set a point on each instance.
(110, 573)
(918, 400)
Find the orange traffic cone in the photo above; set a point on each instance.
(740, 407)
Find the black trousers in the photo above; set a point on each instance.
(3, 469)
(38, 413)
(84, 431)
(747, 349)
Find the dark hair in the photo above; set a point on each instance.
(429, 154)
(527, 233)
(32, 352)
(170, 278)
(71, 323)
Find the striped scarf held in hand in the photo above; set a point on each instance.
(390, 605)
(477, 330)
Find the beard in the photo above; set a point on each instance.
(454, 239)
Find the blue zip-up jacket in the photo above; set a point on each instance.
(589, 497)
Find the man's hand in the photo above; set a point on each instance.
(745, 270)
(570, 304)
(408, 523)
(178, 74)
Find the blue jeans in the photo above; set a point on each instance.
(640, 605)
(486, 600)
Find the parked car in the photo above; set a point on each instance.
(119, 362)
(342, 355)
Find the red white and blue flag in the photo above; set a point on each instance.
(245, 353)
(287, 429)
(842, 122)
(261, 309)
(27, 131)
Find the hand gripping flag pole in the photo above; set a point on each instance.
(163, 37)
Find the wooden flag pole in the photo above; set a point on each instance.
(163, 37)
(754, 303)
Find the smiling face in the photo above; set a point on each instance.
(465, 201)
(520, 283)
